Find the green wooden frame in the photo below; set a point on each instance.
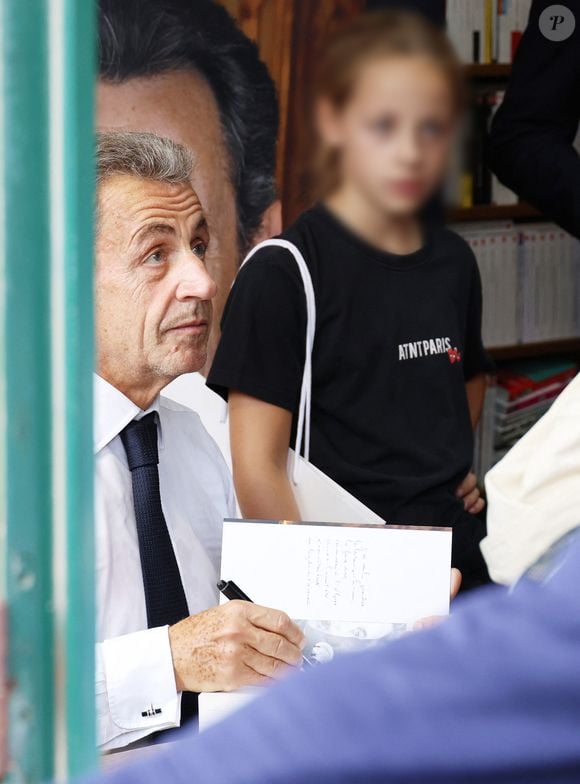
(27, 388)
(72, 25)
(46, 205)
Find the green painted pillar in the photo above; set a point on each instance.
(72, 59)
(46, 203)
(27, 400)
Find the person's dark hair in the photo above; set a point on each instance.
(148, 37)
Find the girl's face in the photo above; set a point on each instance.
(395, 132)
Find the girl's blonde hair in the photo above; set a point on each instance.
(367, 37)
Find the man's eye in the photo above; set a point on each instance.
(154, 258)
(199, 248)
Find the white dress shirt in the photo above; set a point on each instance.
(135, 683)
(191, 390)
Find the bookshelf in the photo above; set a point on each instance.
(530, 268)
(497, 75)
(483, 212)
(570, 346)
(488, 70)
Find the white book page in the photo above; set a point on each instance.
(384, 575)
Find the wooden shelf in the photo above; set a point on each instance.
(482, 212)
(488, 70)
(526, 350)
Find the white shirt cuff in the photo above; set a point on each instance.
(140, 682)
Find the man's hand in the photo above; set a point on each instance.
(235, 644)
(469, 492)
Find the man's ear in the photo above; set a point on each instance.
(271, 223)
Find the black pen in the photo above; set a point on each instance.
(231, 591)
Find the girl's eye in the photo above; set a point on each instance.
(432, 129)
(199, 248)
(154, 258)
(383, 126)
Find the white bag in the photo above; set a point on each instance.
(319, 497)
(533, 494)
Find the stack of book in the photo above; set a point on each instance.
(486, 31)
(520, 394)
(530, 277)
(470, 180)
(550, 284)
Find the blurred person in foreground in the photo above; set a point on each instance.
(162, 488)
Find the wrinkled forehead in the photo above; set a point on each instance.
(126, 202)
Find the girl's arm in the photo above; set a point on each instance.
(260, 437)
(468, 490)
(475, 389)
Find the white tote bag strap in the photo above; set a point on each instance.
(303, 425)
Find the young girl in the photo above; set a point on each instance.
(398, 363)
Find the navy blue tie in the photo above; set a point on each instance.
(164, 595)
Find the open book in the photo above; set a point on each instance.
(347, 586)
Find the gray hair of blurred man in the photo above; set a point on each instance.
(143, 155)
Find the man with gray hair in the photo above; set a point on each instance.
(161, 486)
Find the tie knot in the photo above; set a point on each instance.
(139, 438)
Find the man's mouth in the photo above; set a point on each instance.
(194, 327)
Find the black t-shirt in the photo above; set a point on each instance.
(397, 337)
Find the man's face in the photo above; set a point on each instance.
(152, 290)
(181, 107)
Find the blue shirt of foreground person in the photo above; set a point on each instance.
(492, 695)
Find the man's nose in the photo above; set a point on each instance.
(194, 281)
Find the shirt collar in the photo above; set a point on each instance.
(113, 411)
